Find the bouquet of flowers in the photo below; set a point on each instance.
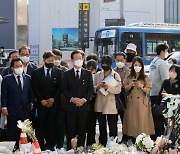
(172, 116)
(26, 127)
(144, 143)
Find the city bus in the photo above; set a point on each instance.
(113, 39)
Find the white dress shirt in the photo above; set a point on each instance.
(76, 72)
(21, 79)
(25, 69)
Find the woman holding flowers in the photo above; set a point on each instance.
(138, 117)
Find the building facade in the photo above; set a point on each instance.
(45, 17)
(14, 31)
(172, 11)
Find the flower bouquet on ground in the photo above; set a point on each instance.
(144, 143)
(170, 141)
(26, 127)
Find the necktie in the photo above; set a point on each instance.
(48, 73)
(19, 82)
(77, 77)
(77, 74)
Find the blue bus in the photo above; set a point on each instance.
(113, 39)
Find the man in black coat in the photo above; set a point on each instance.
(78, 89)
(16, 99)
(24, 54)
(47, 82)
(13, 54)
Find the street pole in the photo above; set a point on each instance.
(121, 7)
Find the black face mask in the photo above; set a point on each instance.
(49, 65)
(130, 56)
(106, 68)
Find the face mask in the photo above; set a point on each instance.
(19, 70)
(130, 56)
(57, 62)
(49, 65)
(166, 54)
(137, 69)
(25, 59)
(173, 75)
(120, 64)
(78, 63)
(106, 68)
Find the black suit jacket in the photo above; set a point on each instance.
(44, 88)
(13, 98)
(84, 90)
(6, 71)
(30, 69)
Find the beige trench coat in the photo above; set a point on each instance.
(106, 104)
(138, 116)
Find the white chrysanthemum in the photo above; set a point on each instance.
(148, 142)
(140, 137)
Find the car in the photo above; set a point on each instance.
(174, 55)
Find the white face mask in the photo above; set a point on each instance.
(137, 69)
(166, 54)
(57, 62)
(120, 64)
(78, 63)
(173, 75)
(25, 59)
(19, 70)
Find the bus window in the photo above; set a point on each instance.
(151, 45)
(132, 37)
(152, 39)
(106, 46)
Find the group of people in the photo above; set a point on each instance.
(68, 102)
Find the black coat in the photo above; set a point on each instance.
(173, 88)
(44, 88)
(84, 90)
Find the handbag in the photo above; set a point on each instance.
(121, 99)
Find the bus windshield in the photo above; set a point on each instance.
(106, 43)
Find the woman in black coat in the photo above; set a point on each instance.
(169, 86)
(172, 85)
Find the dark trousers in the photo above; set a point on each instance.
(121, 113)
(76, 126)
(61, 128)
(112, 123)
(158, 122)
(13, 132)
(47, 128)
(91, 128)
